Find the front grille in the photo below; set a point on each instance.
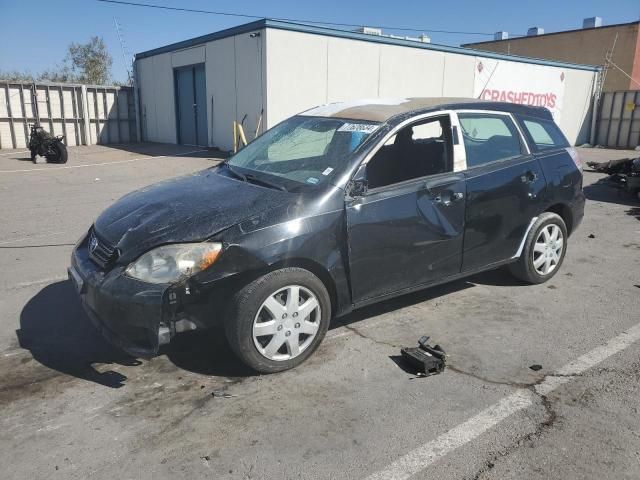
(100, 251)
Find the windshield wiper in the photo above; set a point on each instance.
(266, 183)
(235, 173)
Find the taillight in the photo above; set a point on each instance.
(575, 156)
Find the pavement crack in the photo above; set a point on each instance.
(548, 422)
(489, 380)
(367, 337)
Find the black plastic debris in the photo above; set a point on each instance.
(536, 367)
(623, 174)
(222, 395)
(424, 359)
(591, 235)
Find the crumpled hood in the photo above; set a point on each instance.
(185, 209)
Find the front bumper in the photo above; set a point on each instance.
(128, 313)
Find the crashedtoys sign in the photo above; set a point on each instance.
(518, 83)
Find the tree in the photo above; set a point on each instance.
(89, 62)
(16, 76)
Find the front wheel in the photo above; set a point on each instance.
(277, 321)
(544, 250)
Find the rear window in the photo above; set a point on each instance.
(544, 134)
(488, 138)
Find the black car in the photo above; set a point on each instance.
(344, 205)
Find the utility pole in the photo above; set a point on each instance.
(123, 48)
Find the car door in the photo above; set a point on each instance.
(407, 229)
(504, 188)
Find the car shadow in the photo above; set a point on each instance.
(57, 332)
(601, 191)
(59, 335)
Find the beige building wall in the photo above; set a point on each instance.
(235, 86)
(278, 73)
(304, 70)
(586, 46)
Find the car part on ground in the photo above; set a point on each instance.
(46, 145)
(624, 174)
(424, 360)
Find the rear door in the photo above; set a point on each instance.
(504, 188)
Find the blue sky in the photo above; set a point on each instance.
(35, 34)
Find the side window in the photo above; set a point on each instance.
(488, 138)
(417, 150)
(544, 134)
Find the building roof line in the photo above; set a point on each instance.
(628, 24)
(331, 32)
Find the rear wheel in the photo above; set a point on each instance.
(277, 321)
(57, 153)
(544, 250)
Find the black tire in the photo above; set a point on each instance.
(524, 268)
(244, 307)
(59, 155)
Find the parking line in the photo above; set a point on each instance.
(15, 153)
(420, 458)
(117, 162)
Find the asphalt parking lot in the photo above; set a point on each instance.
(73, 407)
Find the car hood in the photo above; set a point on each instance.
(185, 209)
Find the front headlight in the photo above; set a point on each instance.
(171, 262)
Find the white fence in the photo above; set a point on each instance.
(619, 119)
(84, 114)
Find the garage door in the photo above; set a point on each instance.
(191, 105)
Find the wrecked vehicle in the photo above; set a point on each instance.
(339, 207)
(624, 174)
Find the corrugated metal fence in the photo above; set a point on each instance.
(619, 119)
(84, 114)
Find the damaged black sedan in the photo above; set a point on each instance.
(341, 206)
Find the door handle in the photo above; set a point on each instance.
(447, 199)
(529, 177)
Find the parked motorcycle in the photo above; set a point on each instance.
(46, 145)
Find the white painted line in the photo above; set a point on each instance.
(420, 458)
(117, 162)
(36, 282)
(427, 454)
(15, 153)
(50, 234)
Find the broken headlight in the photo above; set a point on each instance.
(170, 263)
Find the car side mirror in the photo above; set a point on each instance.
(358, 188)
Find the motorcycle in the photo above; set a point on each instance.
(46, 145)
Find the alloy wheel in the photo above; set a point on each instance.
(286, 323)
(547, 251)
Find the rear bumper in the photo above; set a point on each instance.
(127, 312)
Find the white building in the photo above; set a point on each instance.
(190, 92)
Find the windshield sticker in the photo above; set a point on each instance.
(327, 171)
(358, 127)
(312, 180)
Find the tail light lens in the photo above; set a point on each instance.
(575, 156)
